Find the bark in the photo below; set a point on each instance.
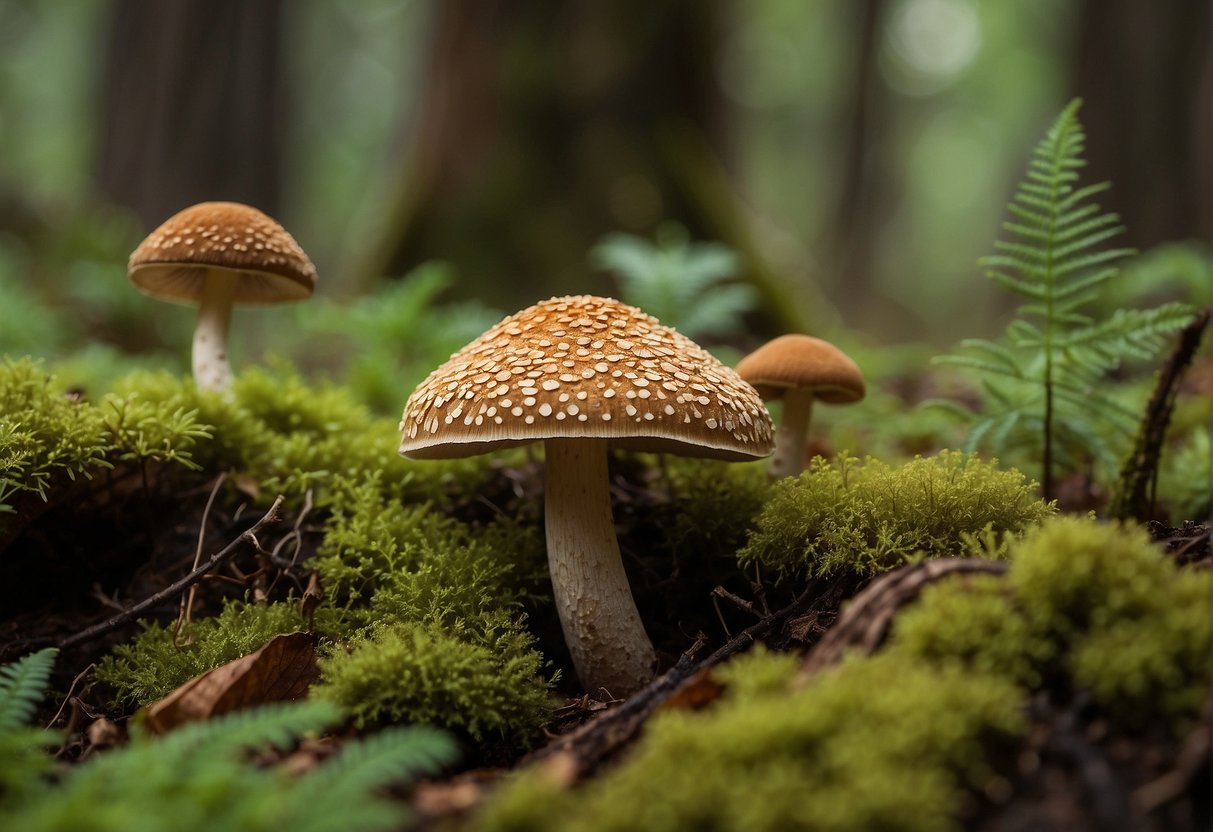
(192, 101)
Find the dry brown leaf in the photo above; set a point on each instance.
(695, 693)
(282, 669)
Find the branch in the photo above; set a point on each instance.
(177, 587)
(590, 744)
(866, 620)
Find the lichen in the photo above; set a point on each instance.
(869, 516)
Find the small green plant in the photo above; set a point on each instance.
(200, 777)
(680, 283)
(481, 681)
(23, 759)
(398, 334)
(1045, 384)
(848, 516)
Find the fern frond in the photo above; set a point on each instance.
(22, 685)
(269, 725)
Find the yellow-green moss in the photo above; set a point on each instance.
(850, 751)
(844, 515)
(151, 665)
(483, 681)
(1134, 628)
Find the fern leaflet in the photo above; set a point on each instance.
(1048, 372)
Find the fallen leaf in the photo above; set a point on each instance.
(699, 691)
(282, 669)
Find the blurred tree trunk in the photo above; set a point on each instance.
(545, 125)
(191, 103)
(1144, 72)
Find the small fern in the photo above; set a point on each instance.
(22, 684)
(22, 761)
(679, 282)
(1046, 378)
(200, 777)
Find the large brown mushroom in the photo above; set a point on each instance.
(799, 369)
(217, 254)
(584, 374)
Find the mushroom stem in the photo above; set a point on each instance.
(790, 436)
(211, 368)
(602, 626)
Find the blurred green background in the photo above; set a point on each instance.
(855, 155)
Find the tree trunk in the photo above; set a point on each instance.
(546, 125)
(1144, 72)
(191, 105)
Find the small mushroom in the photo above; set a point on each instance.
(584, 374)
(799, 369)
(217, 254)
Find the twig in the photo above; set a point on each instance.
(1135, 497)
(187, 603)
(865, 621)
(594, 741)
(177, 587)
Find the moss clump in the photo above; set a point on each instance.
(868, 517)
(1096, 603)
(482, 681)
(43, 433)
(975, 623)
(1134, 626)
(847, 752)
(151, 665)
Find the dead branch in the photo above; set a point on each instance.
(595, 741)
(177, 587)
(865, 621)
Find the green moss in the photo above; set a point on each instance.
(712, 509)
(482, 681)
(869, 517)
(151, 665)
(849, 751)
(44, 435)
(1135, 627)
(383, 557)
(975, 623)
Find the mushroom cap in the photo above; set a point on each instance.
(585, 367)
(802, 361)
(172, 263)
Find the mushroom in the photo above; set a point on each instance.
(217, 254)
(584, 374)
(799, 369)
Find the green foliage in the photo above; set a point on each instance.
(712, 508)
(381, 556)
(680, 283)
(22, 756)
(200, 777)
(869, 517)
(151, 665)
(398, 334)
(1183, 479)
(1045, 384)
(482, 681)
(848, 751)
(442, 605)
(1096, 602)
(44, 435)
(975, 623)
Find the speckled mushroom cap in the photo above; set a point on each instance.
(585, 366)
(803, 361)
(171, 264)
